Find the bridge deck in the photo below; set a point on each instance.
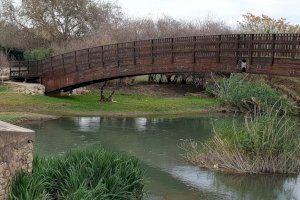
(274, 54)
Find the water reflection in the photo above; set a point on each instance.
(140, 123)
(154, 141)
(260, 186)
(87, 124)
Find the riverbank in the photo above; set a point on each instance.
(18, 108)
(20, 118)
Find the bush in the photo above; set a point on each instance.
(38, 54)
(247, 96)
(81, 174)
(265, 143)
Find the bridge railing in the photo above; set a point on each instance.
(262, 50)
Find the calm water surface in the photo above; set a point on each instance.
(154, 141)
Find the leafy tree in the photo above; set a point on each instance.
(57, 20)
(264, 24)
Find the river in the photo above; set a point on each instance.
(154, 141)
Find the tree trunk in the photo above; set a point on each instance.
(103, 98)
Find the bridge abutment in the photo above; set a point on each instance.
(16, 153)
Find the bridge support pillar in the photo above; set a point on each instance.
(56, 93)
(16, 153)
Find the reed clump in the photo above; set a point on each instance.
(265, 143)
(81, 174)
(246, 96)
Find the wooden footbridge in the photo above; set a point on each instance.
(271, 54)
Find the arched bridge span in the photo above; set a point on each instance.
(271, 54)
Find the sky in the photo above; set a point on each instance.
(228, 10)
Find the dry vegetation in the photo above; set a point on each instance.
(69, 25)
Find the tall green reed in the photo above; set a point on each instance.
(92, 173)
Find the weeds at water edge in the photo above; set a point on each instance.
(265, 143)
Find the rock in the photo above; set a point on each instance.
(81, 91)
(199, 94)
(28, 88)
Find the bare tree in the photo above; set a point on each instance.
(129, 29)
(12, 36)
(103, 98)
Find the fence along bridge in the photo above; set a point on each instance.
(270, 54)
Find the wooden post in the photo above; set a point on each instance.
(117, 55)
(19, 69)
(88, 58)
(75, 60)
(194, 49)
(273, 49)
(134, 56)
(152, 51)
(294, 47)
(102, 55)
(52, 70)
(10, 74)
(219, 49)
(237, 48)
(63, 63)
(251, 49)
(41, 68)
(172, 50)
(27, 69)
(37, 68)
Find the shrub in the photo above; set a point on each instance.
(38, 54)
(247, 96)
(265, 143)
(81, 174)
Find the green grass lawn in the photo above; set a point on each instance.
(80, 105)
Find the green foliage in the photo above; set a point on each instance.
(38, 54)
(265, 24)
(248, 96)
(83, 175)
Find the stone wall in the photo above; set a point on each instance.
(27, 88)
(4, 67)
(4, 74)
(16, 153)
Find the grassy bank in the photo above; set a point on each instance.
(81, 174)
(264, 143)
(14, 105)
(288, 85)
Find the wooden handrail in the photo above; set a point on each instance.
(257, 49)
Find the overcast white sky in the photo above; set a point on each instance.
(228, 10)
